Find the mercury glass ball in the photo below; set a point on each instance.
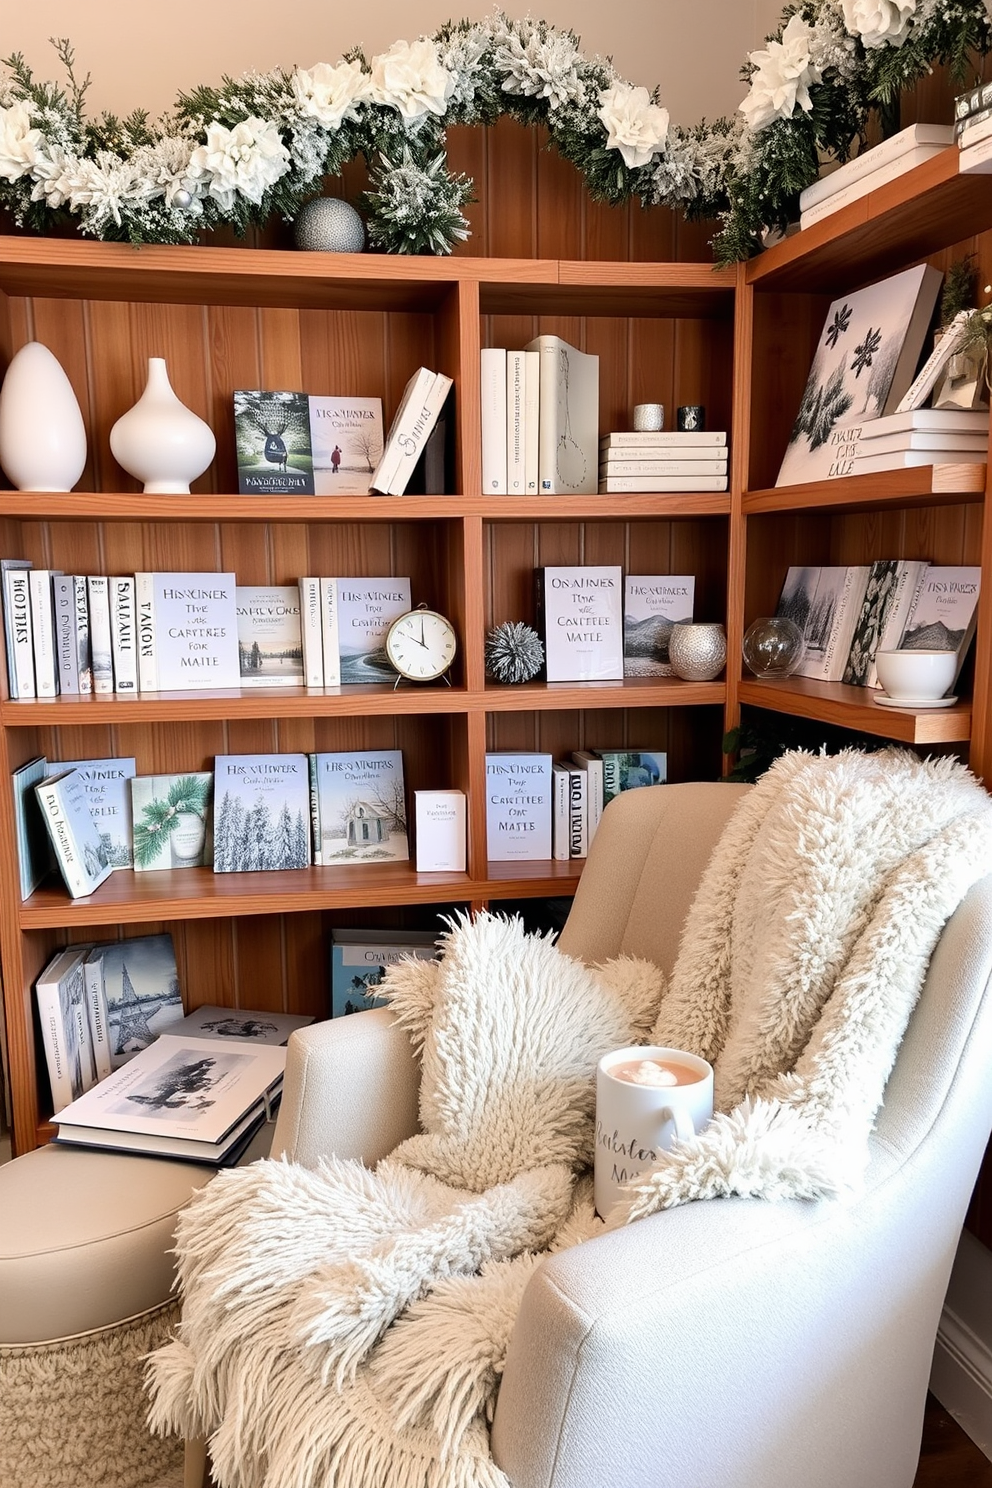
(328, 225)
(773, 646)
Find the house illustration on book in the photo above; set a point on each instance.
(366, 825)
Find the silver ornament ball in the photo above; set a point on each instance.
(182, 200)
(329, 225)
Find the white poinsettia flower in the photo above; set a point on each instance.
(104, 186)
(20, 142)
(330, 94)
(540, 67)
(245, 160)
(634, 125)
(165, 166)
(53, 172)
(782, 77)
(410, 78)
(879, 22)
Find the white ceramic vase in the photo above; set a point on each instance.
(42, 436)
(160, 441)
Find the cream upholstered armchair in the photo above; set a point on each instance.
(738, 1342)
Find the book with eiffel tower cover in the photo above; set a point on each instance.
(141, 988)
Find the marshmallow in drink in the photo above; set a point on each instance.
(649, 1072)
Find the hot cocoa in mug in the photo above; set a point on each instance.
(647, 1097)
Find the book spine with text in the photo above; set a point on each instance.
(123, 633)
(593, 767)
(672, 440)
(53, 1037)
(888, 152)
(43, 632)
(845, 619)
(310, 625)
(63, 836)
(855, 190)
(561, 777)
(618, 484)
(532, 420)
(101, 644)
(66, 649)
(578, 813)
(144, 609)
(17, 627)
(415, 434)
(315, 831)
(515, 433)
(610, 468)
(494, 403)
(329, 632)
(96, 1009)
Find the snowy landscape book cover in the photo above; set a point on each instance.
(261, 812)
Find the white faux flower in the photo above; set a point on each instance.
(102, 187)
(879, 22)
(634, 125)
(537, 68)
(782, 77)
(19, 142)
(330, 94)
(53, 172)
(165, 167)
(245, 160)
(410, 78)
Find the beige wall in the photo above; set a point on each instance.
(692, 48)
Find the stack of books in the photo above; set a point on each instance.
(923, 436)
(665, 461)
(973, 129)
(871, 169)
(540, 419)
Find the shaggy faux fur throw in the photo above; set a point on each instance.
(343, 1327)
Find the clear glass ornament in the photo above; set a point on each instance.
(773, 646)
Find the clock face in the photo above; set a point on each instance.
(421, 645)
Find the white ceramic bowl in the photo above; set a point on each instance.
(916, 674)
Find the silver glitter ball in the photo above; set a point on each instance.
(329, 225)
(697, 651)
(182, 199)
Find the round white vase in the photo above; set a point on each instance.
(160, 441)
(42, 436)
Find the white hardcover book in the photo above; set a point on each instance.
(834, 596)
(330, 639)
(196, 630)
(311, 628)
(270, 640)
(518, 807)
(17, 627)
(225, 1025)
(421, 420)
(79, 848)
(124, 633)
(580, 619)
(366, 608)
(611, 467)
(943, 611)
(43, 632)
(413, 394)
(60, 995)
(532, 421)
(865, 464)
(515, 459)
(346, 442)
(954, 445)
(852, 191)
(144, 605)
(358, 807)
(892, 149)
(652, 604)
(928, 420)
(892, 583)
(617, 485)
(976, 160)
(96, 1008)
(108, 794)
(561, 778)
(568, 442)
(673, 442)
(494, 405)
(101, 645)
(578, 813)
(849, 609)
(974, 131)
(865, 360)
(592, 766)
(440, 826)
(34, 848)
(261, 812)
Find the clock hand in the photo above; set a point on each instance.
(422, 641)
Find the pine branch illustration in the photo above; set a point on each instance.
(160, 817)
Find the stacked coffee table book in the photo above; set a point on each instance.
(922, 436)
(663, 460)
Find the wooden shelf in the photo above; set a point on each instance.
(632, 692)
(928, 208)
(855, 708)
(199, 894)
(925, 485)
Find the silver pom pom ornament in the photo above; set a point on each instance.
(513, 652)
(329, 225)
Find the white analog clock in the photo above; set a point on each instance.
(421, 645)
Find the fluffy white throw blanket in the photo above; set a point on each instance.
(345, 1328)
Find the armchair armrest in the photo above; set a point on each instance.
(350, 1088)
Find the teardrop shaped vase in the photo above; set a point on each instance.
(160, 441)
(42, 436)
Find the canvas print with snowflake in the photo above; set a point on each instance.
(865, 360)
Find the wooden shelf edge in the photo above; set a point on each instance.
(855, 708)
(923, 485)
(632, 692)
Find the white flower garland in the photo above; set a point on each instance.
(262, 144)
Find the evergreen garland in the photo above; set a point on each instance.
(159, 818)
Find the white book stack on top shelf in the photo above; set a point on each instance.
(873, 168)
(922, 436)
(687, 461)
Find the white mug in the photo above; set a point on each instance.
(634, 1122)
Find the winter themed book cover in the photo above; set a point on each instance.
(261, 812)
(346, 440)
(652, 604)
(358, 803)
(272, 441)
(141, 985)
(108, 795)
(270, 641)
(171, 815)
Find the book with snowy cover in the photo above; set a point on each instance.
(943, 611)
(358, 804)
(652, 604)
(865, 360)
(346, 440)
(141, 985)
(270, 640)
(261, 812)
(108, 795)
